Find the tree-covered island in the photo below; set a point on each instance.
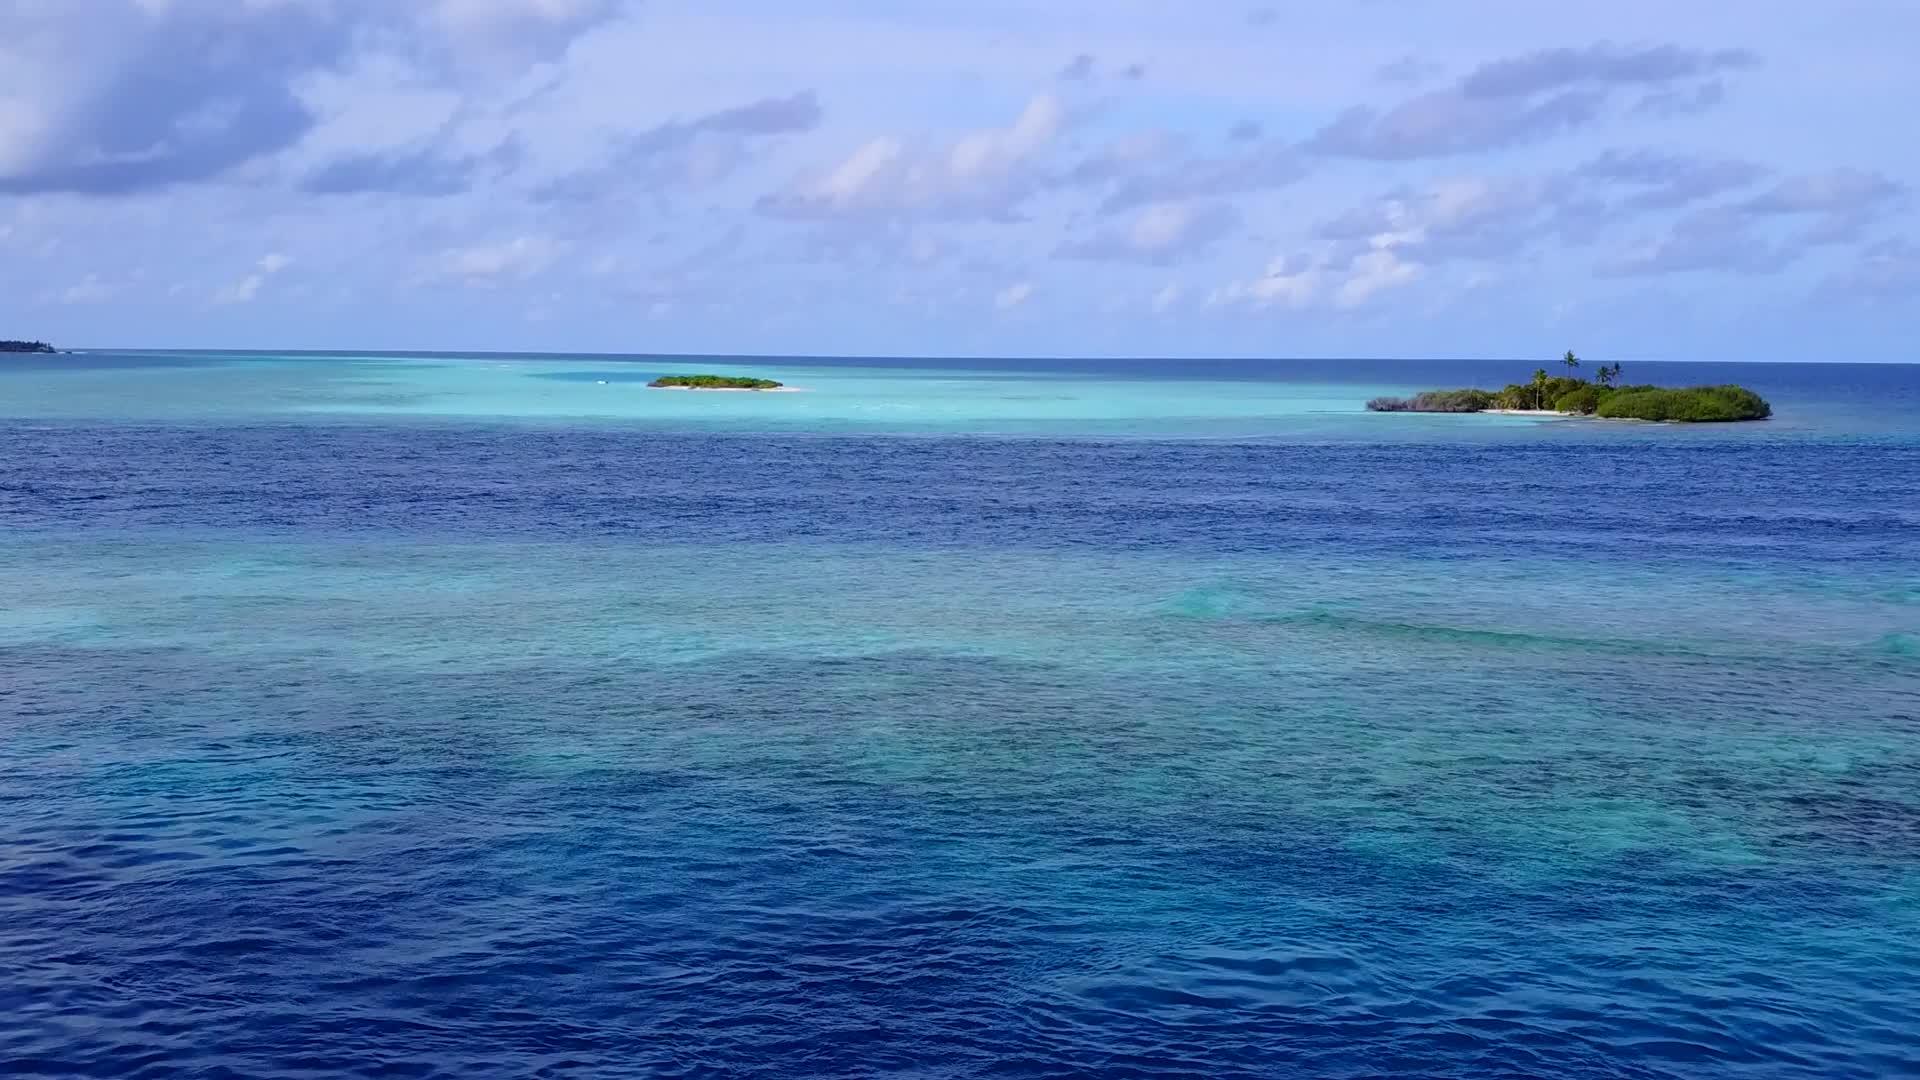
(26, 347)
(712, 382)
(1606, 397)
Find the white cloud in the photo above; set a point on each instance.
(1013, 296)
(1390, 243)
(469, 13)
(1289, 283)
(1127, 154)
(479, 264)
(1261, 167)
(1713, 238)
(242, 291)
(911, 140)
(1884, 272)
(1832, 191)
(1327, 280)
(518, 28)
(1468, 217)
(1163, 227)
(923, 249)
(984, 174)
(1371, 274)
(26, 130)
(1160, 233)
(378, 103)
(247, 288)
(88, 290)
(94, 98)
(1528, 97)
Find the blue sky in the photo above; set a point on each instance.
(1643, 179)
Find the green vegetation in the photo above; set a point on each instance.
(25, 346)
(1697, 404)
(1604, 397)
(1435, 401)
(712, 382)
(1583, 401)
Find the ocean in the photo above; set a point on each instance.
(495, 716)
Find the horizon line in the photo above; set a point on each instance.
(750, 357)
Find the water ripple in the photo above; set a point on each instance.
(475, 752)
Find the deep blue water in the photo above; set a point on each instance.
(367, 745)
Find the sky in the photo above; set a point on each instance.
(1639, 179)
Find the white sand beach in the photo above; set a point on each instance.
(734, 389)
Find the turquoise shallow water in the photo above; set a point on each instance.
(1306, 399)
(1251, 738)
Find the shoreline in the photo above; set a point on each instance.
(1576, 397)
(1550, 414)
(733, 389)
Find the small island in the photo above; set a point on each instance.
(26, 347)
(712, 382)
(1606, 397)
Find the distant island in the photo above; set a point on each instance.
(1605, 397)
(26, 346)
(712, 382)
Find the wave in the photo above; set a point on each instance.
(1234, 604)
(1898, 644)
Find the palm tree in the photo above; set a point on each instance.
(1572, 362)
(1540, 389)
(1616, 371)
(1603, 375)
